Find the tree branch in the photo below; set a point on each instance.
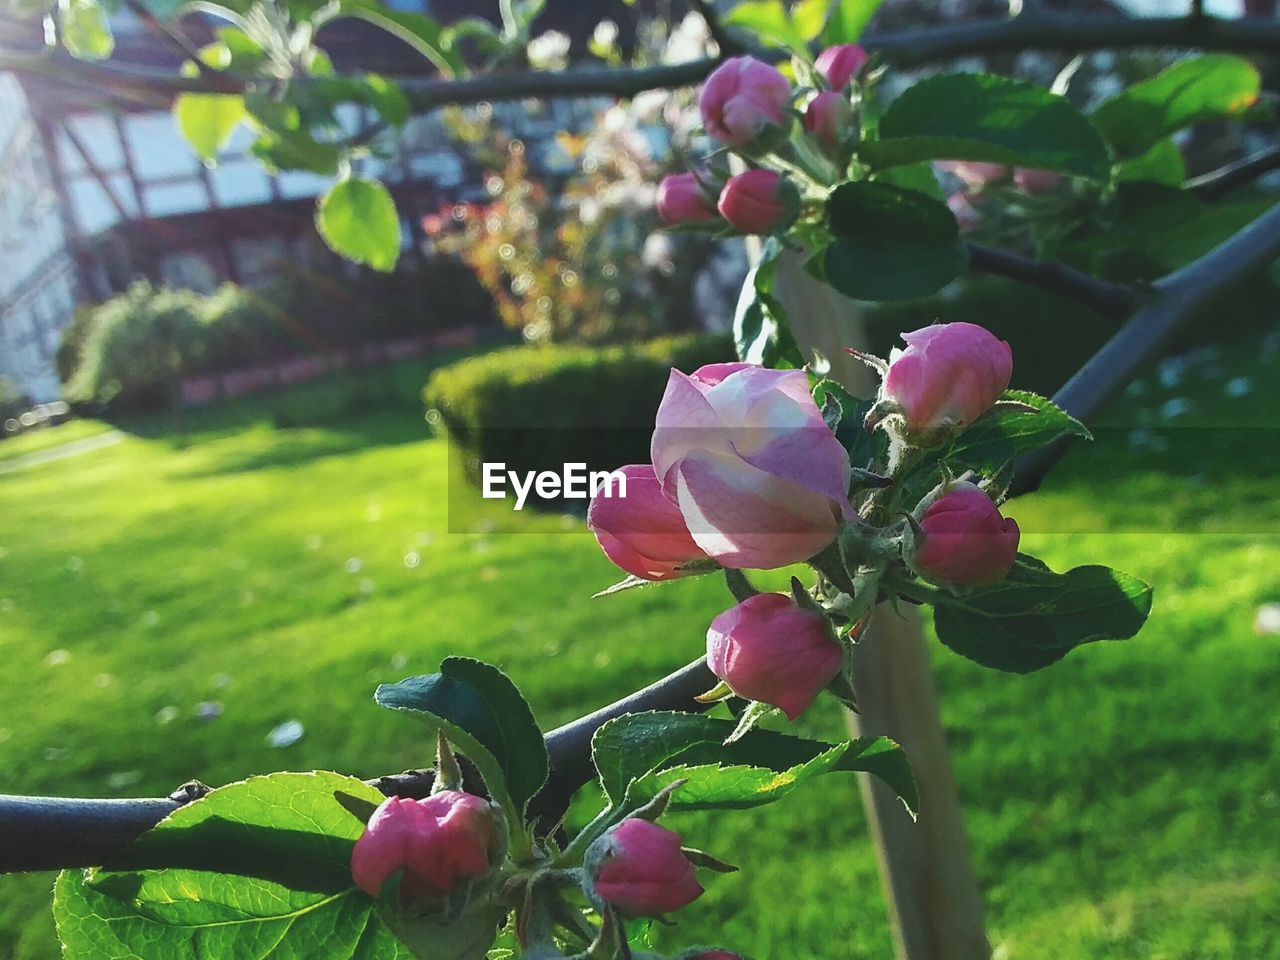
(50, 833)
(1108, 299)
(1031, 30)
(1218, 183)
(183, 44)
(1174, 302)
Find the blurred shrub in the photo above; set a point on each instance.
(137, 349)
(566, 246)
(538, 408)
(239, 328)
(72, 340)
(13, 402)
(132, 352)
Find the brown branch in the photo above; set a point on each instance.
(1033, 30)
(216, 79)
(1108, 299)
(51, 833)
(1218, 183)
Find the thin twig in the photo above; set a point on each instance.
(1037, 31)
(1218, 183)
(183, 44)
(50, 833)
(1108, 299)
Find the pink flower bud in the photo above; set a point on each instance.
(643, 532)
(828, 117)
(966, 212)
(963, 539)
(949, 376)
(839, 64)
(1035, 181)
(769, 648)
(974, 174)
(753, 202)
(640, 869)
(744, 102)
(681, 199)
(743, 452)
(437, 842)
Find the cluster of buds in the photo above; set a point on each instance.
(750, 108)
(746, 473)
(977, 181)
(447, 876)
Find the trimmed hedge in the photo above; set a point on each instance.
(538, 408)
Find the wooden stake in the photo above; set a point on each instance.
(935, 906)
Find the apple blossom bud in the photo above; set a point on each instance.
(962, 539)
(681, 199)
(828, 117)
(755, 471)
(642, 531)
(640, 869)
(975, 175)
(839, 64)
(1035, 181)
(965, 211)
(769, 648)
(437, 842)
(744, 103)
(754, 201)
(949, 376)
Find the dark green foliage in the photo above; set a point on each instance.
(132, 352)
(537, 408)
(139, 345)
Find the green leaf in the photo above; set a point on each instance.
(358, 219)
(636, 755)
(371, 89)
(809, 17)
(1211, 87)
(1162, 163)
(890, 243)
(769, 20)
(259, 868)
(482, 713)
(207, 120)
(761, 331)
(524, 757)
(1003, 434)
(85, 30)
(975, 116)
(864, 448)
(919, 177)
(1155, 229)
(418, 30)
(1035, 617)
(849, 20)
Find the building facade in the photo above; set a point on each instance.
(98, 190)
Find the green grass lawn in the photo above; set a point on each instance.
(35, 441)
(1122, 804)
